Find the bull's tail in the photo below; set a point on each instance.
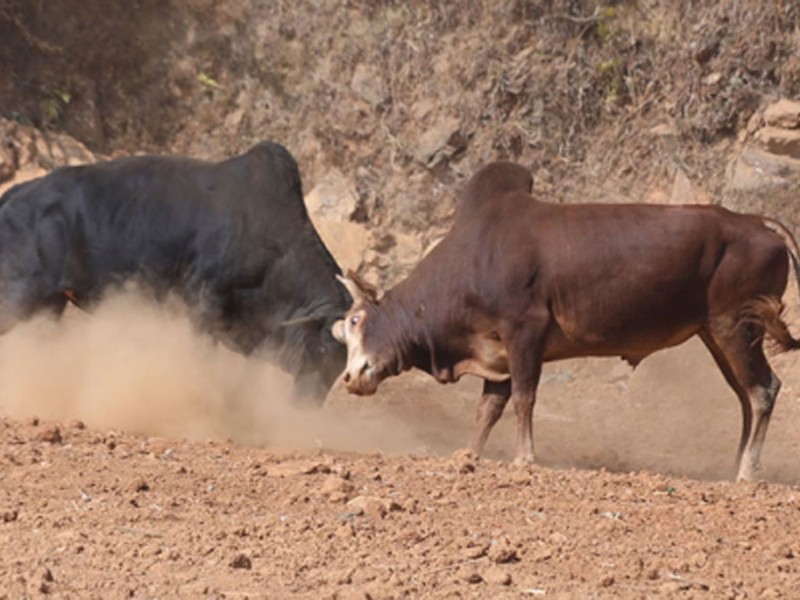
(767, 312)
(792, 248)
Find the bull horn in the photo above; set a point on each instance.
(358, 288)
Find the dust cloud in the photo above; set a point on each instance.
(673, 414)
(140, 366)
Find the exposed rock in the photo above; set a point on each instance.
(433, 146)
(422, 108)
(347, 242)
(368, 85)
(407, 250)
(755, 169)
(684, 192)
(331, 204)
(22, 176)
(334, 197)
(785, 142)
(784, 113)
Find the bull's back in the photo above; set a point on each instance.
(615, 279)
(632, 279)
(168, 218)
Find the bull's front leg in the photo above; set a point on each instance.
(493, 402)
(526, 356)
(524, 401)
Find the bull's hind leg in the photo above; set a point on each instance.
(493, 402)
(740, 356)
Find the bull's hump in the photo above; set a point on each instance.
(494, 180)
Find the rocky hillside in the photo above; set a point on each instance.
(388, 106)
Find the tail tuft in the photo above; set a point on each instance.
(767, 312)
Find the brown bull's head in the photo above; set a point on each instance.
(365, 368)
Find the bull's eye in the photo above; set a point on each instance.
(354, 320)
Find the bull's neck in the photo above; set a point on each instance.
(405, 320)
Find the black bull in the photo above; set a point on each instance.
(232, 239)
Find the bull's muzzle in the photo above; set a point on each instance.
(362, 381)
(337, 331)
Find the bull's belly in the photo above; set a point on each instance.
(632, 344)
(489, 357)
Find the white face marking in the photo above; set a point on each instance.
(360, 373)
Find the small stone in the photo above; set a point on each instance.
(501, 552)
(497, 576)
(292, 469)
(784, 551)
(141, 486)
(9, 516)
(336, 488)
(607, 581)
(242, 561)
(51, 435)
(464, 461)
(474, 578)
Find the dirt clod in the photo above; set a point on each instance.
(501, 552)
(242, 561)
(50, 435)
(497, 576)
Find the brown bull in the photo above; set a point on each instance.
(517, 282)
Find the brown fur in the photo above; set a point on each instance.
(518, 282)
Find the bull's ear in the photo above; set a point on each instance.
(337, 331)
(358, 288)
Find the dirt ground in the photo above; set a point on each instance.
(137, 460)
(167, 467)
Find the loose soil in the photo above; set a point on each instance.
(226, 491)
